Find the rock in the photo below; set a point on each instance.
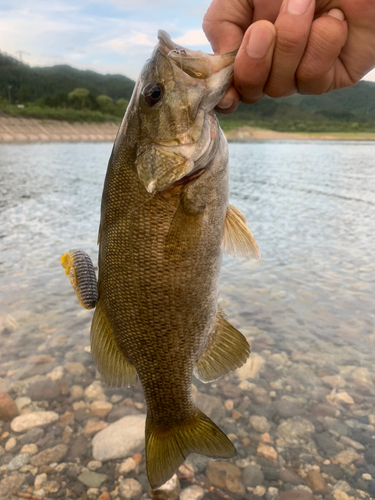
(343, 397)
(289, 476)
(267, 451)
(94, 426)
(39, 480)
(370, 455)
(127, 466)
(346, 457)
(2, 451)
(19, 461)
(168, 491)
(272, 493)
(92, 479)
(194, 492)
(120, 439)
(50, 455)
(95, 391)
(100, 409)
(295, 430)
(94, 464)
(44, 390)
(22, 401)
(316, 482)
(361, 376)
(104, 496)
(336, 427)
(252, 368)
(288, 409)
(10, 444)
(130, 488)
(343, 486)
(76, 392)
(8, 408)
(326, 443)
(32, 449)
(322, 410)
(252, 476)
(340, 495)
(75, 368)
(27, 421)
(210, 405)
(78, 448)
(260, 424)
(121, 411)
(198, 462)
(226, 475)
(10, 484)
(295, 495)
(32, 435)
(334, 381)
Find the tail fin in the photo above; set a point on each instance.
(167, 449)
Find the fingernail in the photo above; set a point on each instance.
(259, 43)
(298, 7)
(337, 14)
(225, 103)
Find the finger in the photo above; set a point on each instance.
(316, 72)
(225, 23)
(292, 28)
(254, 60)
(229, 102)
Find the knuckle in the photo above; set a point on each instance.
(288, 43)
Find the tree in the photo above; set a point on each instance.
(79, 98)
(121, 105)
(23, 94)
(105, 104)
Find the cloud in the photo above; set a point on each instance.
(192, 37)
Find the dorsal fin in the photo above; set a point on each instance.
(238, 240)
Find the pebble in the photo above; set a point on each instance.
(92, 479)
(343, 397)
(334, 381)
(267, 451)
(168, 491)
(95, 391)
(346, 457)
(10, 444)
(50, 455)
(19, 461)
(42, 390)
(194, 492)
(260, 491)
(76, 392)
(288, 409)
(260, 424)
(8, 407)
(130, 488)
(295, 430)
(361, 376)
(27, 421)
(252, 368)
(127, 466)
(289, 476)
(340, 495)
(39, 480)
(316, 482)
(94, 465)
(75, 368)
(94, 426)
(120, 439)
(226, 475)
(272, 493)
(10, 484)
(100, 409)
(31, 448)
(252, 476)
(22, 401)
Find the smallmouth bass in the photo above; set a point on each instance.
(165, 221)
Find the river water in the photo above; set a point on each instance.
(308, 308)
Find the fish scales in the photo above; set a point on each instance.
(165, 220)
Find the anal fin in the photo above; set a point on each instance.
(109, 360)
(227, 350)
(238, 240)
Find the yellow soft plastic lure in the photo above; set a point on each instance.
(80, 269)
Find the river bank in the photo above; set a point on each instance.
(33, 130)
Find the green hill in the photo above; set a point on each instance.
(350, 109)
(38, 82)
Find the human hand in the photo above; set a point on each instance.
(289, 46)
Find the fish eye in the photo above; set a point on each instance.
(152, 93)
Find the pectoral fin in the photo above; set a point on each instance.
(227, 350)
(109, 360)
(238, 240)
(184, 232)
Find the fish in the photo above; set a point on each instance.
(165, 223)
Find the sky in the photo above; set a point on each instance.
(115, 36)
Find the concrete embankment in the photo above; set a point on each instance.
(32, 130)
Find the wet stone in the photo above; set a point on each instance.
(291, 477)
(260, 424)
(77, 449)
(32, 436)
(120, 412)
(295, 430)
(27, 421)
(19, 461)
(369, 455)
(130, 488)
(288, 409)
(225, 475)
(168, 491)
(92, 479)
(44, 390)
(198, 462)
(50, 455)
(295, 495)
(326, 443)
(10, 484)
(8, 408)
(252, 476)
(316, 482)
(194, 492)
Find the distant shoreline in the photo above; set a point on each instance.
(25, 130)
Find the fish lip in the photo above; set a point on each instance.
(167, 42)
